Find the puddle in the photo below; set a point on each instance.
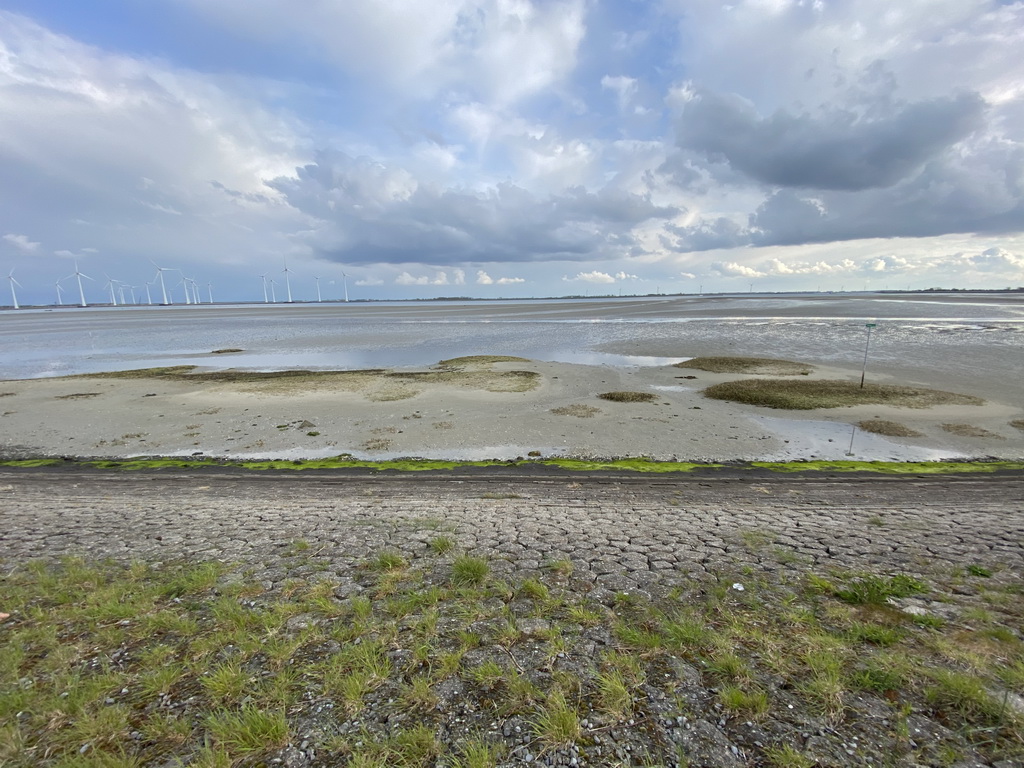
(835, 441)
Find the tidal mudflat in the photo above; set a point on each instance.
(476, 380)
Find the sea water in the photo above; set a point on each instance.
(980, 332)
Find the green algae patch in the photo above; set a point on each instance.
(31, 462)
(639, 465)
(890, 467)
(628, 465)
(401, 465)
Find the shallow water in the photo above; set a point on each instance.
(986, 332)
(836, 441)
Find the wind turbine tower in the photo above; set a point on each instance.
(287, 280)
(318, 289)
(266, 299)
(344, 282)
(79, 276)
(14, 296)
(209, 287)
(273, 295)
(163, 287)
(60, 294)
(110, 286)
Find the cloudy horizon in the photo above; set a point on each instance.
(510, 148)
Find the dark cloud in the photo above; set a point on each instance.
(369, 212)
(836, 149)
(977, 189)
(706, 235)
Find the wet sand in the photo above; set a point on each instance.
(561, 416)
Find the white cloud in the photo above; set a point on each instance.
(22, 243)
(593, 277)
(735, 269)
(99, 134)
(623, 87)
(406, 279)
(995, 259)
(501, 50)
(482, 278)
(369, 281)
(458, 277)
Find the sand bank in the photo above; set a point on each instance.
(473, 410)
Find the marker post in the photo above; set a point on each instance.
(867, 345)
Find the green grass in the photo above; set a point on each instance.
(802, 395)
(247, 732)
(441, 545)
(470, 571)
(748, 703)
(557, 723)
(876, 590)
(755, 365)
(211, 671)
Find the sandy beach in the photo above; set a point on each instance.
(480, 410)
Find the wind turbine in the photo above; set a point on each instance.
(266, 299)
(318, 289)
(14, 296)
(195, 289)
(149, 297)
(60, 294)
(110, 286)
(184, 284)
(287, 280)
(344, 282)
(209, 287)
(160, 274)
(120, 288)
(79, 275)
(273, 296)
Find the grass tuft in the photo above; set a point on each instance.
(557, 723)
(749, 703)
(470, 571)
(876, 590)
(441, 545)
(248, 732)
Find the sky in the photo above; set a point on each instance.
(508, 148)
